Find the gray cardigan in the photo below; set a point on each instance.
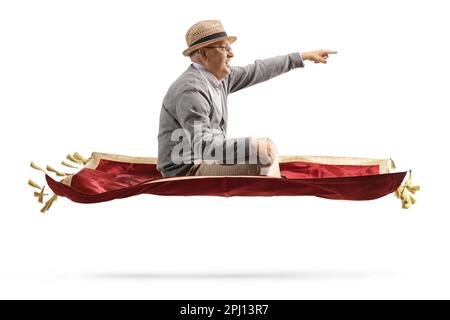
(188, 101)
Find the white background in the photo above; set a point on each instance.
(90, 76)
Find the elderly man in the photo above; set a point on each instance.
(193, 121)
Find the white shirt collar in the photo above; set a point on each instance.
(208, 75)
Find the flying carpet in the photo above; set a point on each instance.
(104, 177)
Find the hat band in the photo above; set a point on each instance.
(210, 37)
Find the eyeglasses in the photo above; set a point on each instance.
(227, 48)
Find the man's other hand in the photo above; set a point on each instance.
(265, 150)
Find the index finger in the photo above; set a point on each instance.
(330, 51)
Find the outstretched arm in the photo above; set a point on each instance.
(262, 70)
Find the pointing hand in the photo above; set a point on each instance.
(318, 56)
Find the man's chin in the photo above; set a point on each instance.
(225, 72)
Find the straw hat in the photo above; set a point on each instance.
(204, 33)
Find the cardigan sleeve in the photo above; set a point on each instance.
(262, 70)
(205, 142)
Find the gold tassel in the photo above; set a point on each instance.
(405, 192)
(393, 166)
(58, 173)
(40, 195)
(77, 156)
(65, 163)
(409, 186)
(34, 184)
(34, 166)
(406, 205)
(71, 158)
(49, 203)
(413, 189)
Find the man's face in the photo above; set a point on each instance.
(219, 58)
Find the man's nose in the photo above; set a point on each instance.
(230, 54)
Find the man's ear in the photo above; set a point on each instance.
(202, 53)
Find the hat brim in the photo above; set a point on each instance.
(189, 50)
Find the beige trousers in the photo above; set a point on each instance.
(213, 169)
